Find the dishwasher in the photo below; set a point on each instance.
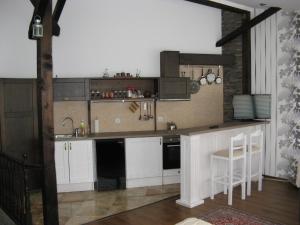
(110, 164)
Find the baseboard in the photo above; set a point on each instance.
(266, 177)
(171, 179)
(144, 182)
(189, 204)
(75, 187)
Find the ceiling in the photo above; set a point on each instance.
(284, 4)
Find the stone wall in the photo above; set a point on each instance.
(233, 75)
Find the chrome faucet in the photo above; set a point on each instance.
(63, 123)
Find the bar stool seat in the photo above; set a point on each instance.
(225, 153)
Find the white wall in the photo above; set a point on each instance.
(17, 52)
(115, 34)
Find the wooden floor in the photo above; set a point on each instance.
(277, 203)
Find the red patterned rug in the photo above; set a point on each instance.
(230, 216)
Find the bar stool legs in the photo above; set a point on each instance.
(236, 152)
(255, 148)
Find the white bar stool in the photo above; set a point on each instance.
(237, 151)
(255, 148)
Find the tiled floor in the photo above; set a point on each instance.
(81, 207)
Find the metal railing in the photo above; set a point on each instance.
(14, 189)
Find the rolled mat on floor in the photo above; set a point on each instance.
(193, 221)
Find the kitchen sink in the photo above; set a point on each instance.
(64, 136)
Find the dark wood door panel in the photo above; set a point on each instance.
(19, 137)
(18, 114)
(18, 97)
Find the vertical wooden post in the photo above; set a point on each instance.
(45, 118)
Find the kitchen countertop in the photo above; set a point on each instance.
(187, 131)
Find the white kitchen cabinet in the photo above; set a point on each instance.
(75, 165)
(143, 161)
(62, 162)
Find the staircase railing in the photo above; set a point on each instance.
(14, 189)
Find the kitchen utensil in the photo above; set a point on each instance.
(210, 76)
(140, 118)
(219, 79)
(145, 111)
(194, 85)
(131, 109)
(150, 116)
(202, 79)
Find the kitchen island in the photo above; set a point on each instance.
(196, 147)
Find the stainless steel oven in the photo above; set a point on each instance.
(171, 152)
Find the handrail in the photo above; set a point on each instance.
(14, 188)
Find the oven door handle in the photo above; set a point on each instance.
(170, 146)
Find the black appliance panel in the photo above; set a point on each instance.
(171, 153)
(110, 164)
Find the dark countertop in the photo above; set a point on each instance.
(187, 131)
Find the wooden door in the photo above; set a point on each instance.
(19, 119)
(143, 157)
(81, 161)
(62, 162)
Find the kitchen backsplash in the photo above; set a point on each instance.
(205, 108)
(76, 110)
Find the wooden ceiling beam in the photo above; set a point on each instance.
(56, 15)
(34, 2)
(247, 26)
(219, 6)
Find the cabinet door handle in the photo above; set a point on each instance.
(65, 146)
(70, 146)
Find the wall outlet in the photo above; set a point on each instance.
(160, 119)
(117, 120)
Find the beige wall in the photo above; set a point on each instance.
(205, 108)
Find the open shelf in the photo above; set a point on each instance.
(123, 100)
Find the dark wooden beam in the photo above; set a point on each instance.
(245, 27)
(219, 6)
(39, 10)
(45, 118)
(205, 59)
(56, 15)
(34, 2)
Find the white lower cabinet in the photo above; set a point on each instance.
(143, 161)
(75, 165)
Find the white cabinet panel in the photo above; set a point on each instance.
(62, 162)
(74, 163)
(80, 161)
(143, 157)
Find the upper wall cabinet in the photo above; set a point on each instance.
(174, 88)
(70, 89)
(169, 64)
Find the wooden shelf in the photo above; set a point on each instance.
(123, 100)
